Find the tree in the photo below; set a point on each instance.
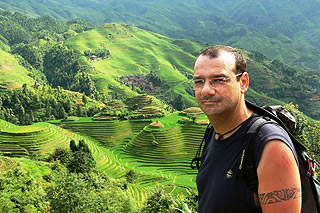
(79, 111)
(73, 146)
(78, 160)
(84, 99)
(60, 65)
(307, 131)
(20, 192)
(81, 162)
(131, 176)
(192, 200)
(90, 192)
(178, 103)
(83, 146)
(159, 201)
(62, 113)
(193, 116)
(61, 154)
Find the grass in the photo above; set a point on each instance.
(22, 130)
(12, 75)
(38, 139)
(119, 146)
(136, 52)
(159, 156)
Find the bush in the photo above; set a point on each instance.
(89, 192)
(131, 176)
(61, 154)
(20, 192)
(79, 159)
(159, 202)
(81, 162)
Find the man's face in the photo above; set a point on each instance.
(217, 97)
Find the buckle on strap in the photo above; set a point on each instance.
(312, 164)
(197, 161)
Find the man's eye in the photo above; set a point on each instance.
(198, 81)
(218, 80)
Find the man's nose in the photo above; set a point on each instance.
(207, 89)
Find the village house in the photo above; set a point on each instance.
(93, 58)
(314, 97)
(140, 81)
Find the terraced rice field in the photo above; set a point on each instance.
(167, 151)
(39, 139)
(159, 156)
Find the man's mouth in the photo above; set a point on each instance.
(211, 100)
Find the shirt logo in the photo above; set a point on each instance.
(229, 174)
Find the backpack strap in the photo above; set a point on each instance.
(267, 113)
(197, 158)
(247, 170)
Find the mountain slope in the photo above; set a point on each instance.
(138, 52)
(286, 30)
(12, 75)
(116, 61)
(60, 10)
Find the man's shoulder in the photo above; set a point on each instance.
(270, 131)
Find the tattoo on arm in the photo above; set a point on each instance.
(279, 196)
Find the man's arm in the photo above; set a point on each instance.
(279, 179)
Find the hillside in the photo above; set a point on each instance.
(139, 60)
(135, 52)
(285, 30)
(116, 61)
(155, 155)
(163, 159)
(121, 91)
(12, 74)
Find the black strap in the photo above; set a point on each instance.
(268, 114)
(221, 135)
(247, 169)
(197, 158)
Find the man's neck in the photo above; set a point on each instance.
(229, 120)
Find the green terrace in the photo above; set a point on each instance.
(160, 155)
(134, 144)
(28, 140)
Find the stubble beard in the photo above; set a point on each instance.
(215, 105)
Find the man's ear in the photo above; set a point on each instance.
(244, 82)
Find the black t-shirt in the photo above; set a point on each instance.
(219, 190)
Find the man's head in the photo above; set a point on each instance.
(220, 80)
(215, 51)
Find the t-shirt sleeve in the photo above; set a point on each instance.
(270, 132)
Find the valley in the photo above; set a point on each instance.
(96, 114)
(160, 156)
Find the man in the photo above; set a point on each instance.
(220, 82)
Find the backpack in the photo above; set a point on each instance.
(247, 169)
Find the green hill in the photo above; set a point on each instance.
(138, 58)
(117, 61)
(38, 139)
(137, 52)
(159, 156)
(285, 30)
(12, 74)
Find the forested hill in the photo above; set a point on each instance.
(286, 30)
(118, 61)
